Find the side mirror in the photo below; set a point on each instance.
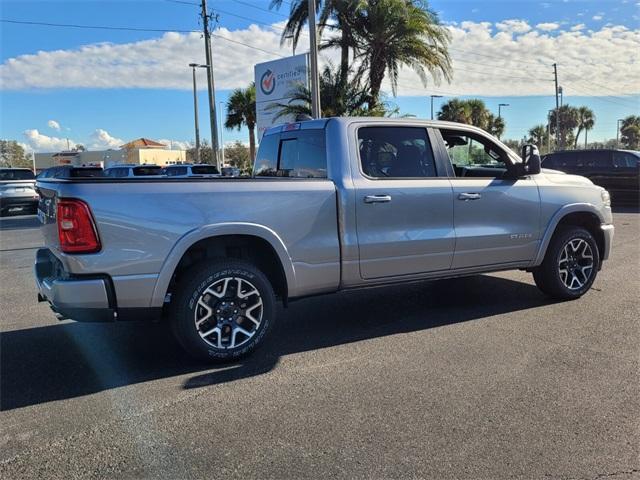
(531, 159)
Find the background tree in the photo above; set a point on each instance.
(539, 135)
(472, 112)
(12, 154)
(455, 110)
(630, 132)
(337, 99)
(237, 155)
(390, 34)
(241, 111)
(206, 153)
(79, 148)
(586, 121)
(568, 121)
(334, 15)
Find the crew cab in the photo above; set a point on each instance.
(334, 204)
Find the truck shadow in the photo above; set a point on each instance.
(69, 360)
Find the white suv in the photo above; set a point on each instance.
(124, 171)
(191, 170)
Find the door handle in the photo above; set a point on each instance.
(469, 196)
(377, 199)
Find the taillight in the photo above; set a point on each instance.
(76, 230)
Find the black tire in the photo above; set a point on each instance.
(185, 310)
(548, 276)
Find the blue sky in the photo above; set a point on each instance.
(517, 38)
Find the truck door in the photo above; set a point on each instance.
(404, 211)
(496, 217)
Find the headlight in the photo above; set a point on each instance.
(606, 198)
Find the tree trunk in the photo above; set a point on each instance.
(585, 139)
(344, 59)
(252, 144)
(575, 143)
(376, 75)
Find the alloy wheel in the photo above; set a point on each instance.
(575, 265)
(228, 313)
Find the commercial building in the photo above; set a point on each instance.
(140, 151)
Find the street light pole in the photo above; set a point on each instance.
(221, 141)
(195, 107)
(500, 105)
(213, 118)
(195, 110)
(432, 97)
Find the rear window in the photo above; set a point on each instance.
(16, 175)
(204, 170)
(143, 171)
(297, 154)
(175, 171)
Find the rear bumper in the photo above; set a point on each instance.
(607, 233)
(88, 298)
(82, 299)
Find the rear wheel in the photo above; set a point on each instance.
(223, 311)
(570, 265)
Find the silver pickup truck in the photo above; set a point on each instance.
(334, 204)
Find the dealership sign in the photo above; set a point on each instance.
(275, 81)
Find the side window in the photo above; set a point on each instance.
(396, 152)
(473, 155)
(299, 154)
(174, 171)
(624, 160)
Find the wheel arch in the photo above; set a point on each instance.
(246, 241)
(583, 215)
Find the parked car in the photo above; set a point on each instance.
(17, 191)
(336, 204)
(616, 170)
(191, 170)
(230, 172)
(70, 171)
(132, 170)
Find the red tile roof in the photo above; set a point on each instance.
(143, 143)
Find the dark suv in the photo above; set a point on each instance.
(615, 170)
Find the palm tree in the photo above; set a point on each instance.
(341, 11)
(389, 34)
(586, 121)
(241, 110)
(538, 135)
(630, 132)
(455, 110)
(567, 120)
(336, 98)
(495, 125)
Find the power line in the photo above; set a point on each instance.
(134, 29)
(262, 9)
(571, 87)
(98, 27)
(183, 2)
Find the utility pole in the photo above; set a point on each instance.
(555, 74)
(195, 110)
(213, 118)
(316, 111)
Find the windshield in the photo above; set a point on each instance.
(16, 175)
(86, 172)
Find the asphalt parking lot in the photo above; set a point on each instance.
(481, 377)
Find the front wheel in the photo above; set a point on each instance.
(223, 310)
(570, 265)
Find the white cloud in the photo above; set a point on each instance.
(54, 125)
(578, 27)
(102, 140)
(508, 58)
(176, 144)
(597, 17)
(513, 26)
(547, 26)
(39, 142)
